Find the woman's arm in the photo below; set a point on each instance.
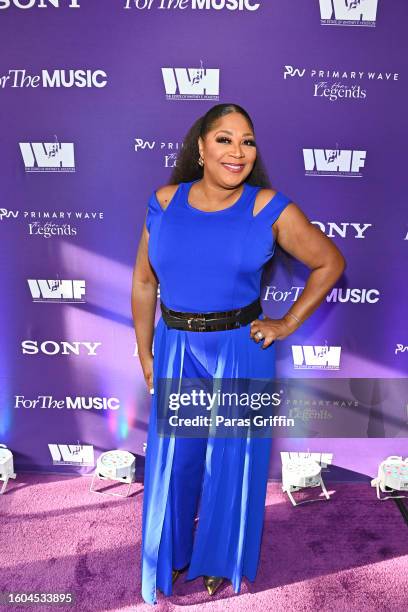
(143, 303)
(301, 239)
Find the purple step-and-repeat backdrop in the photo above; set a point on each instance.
(96, 97)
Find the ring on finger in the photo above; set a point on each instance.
(259, 335)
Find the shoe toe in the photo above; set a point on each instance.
(213, 583)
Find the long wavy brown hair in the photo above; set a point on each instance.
(187, 167)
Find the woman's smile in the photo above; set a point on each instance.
(235, 168)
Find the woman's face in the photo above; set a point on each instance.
(228, 150)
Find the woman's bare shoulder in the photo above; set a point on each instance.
(263, 197)
(165, 194)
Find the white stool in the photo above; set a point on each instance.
(116, 465)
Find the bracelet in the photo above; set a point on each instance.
(292, 315)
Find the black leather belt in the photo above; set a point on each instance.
(211, 321)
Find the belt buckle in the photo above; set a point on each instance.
(199, 321)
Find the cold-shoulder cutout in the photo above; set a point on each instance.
(274, 202)
(264, 197)
(158, 203)
(164, 195)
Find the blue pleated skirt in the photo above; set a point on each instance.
(223, 479)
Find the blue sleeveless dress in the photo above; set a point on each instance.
(206, 261)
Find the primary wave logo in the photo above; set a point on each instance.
(144, 144)
(168, 150)
(338, 84)
(290, 71)
(41, 222)
(7, 214)
(401, 348)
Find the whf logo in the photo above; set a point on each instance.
(191, 83)
(334, 161)
(316, 357)
(72, 454)
(48, 156)
(56, 290)
(348, 12)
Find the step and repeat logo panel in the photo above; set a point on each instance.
(97, 97)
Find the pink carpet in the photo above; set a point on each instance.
(348, 554)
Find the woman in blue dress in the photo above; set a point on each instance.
(207, 237)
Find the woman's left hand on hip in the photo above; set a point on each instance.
(269, 330)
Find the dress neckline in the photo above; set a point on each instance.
(211, 212)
